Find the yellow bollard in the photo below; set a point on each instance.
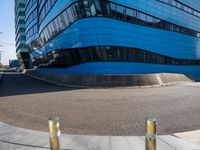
(150, 137)
(54, 133)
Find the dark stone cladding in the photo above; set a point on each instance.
(25, 58)
(64, 58)
(1, 75)
(110, 80)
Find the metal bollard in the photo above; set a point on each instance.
(54, 133)
(150, 137)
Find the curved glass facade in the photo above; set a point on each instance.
(111, 10)
(69, 33)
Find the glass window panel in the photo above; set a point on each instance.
(120, 12)
(129, 15)
(177, 28)
(93, 10)
(178, 5)
(149, 19)
(189, 10)
(98, 7)
(185, 8)
(56, 25)
(51, 3)
(65, 17)
(195, 13)
(47, 6)
(54, 28)
(82, 9)
(87, 8)
(173, 2)
(61, 23)
(142, 16)
(120, 9)
(70, 15)
(49, 30)
(75, 12)
(45, 36)
(48, 33)
(113, 10)
(156, 20)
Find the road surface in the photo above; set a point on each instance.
(27, 102)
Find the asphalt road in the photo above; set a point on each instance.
(27, 103)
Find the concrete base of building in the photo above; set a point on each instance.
(111, 80)
(1, 74)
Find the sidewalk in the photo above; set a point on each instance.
(13, 138)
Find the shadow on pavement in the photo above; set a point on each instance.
(14, 83)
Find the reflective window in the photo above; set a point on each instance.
(149, 20)
(56, 25)
(45, 9)
(32, 31)
(70, 15)
(65, 17)
(120, 12)
(61, 23)
(75, 12)
(74, 56)
(182, 7)
(29, 5)
(52, 29)
(87, 8)
(129, 15)
(98, 7)
(82, 9)
(113, 10)
(142, 18)
(93, 9)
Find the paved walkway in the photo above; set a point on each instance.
(191, 136)
(13, 138)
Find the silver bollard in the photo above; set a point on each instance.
(54, 133)
(150, 137)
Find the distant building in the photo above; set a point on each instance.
(114, 36)
(13, 64)
(20, 38)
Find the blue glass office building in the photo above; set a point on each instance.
(22, 51)
(114, 36)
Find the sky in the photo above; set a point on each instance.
(8, 29)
